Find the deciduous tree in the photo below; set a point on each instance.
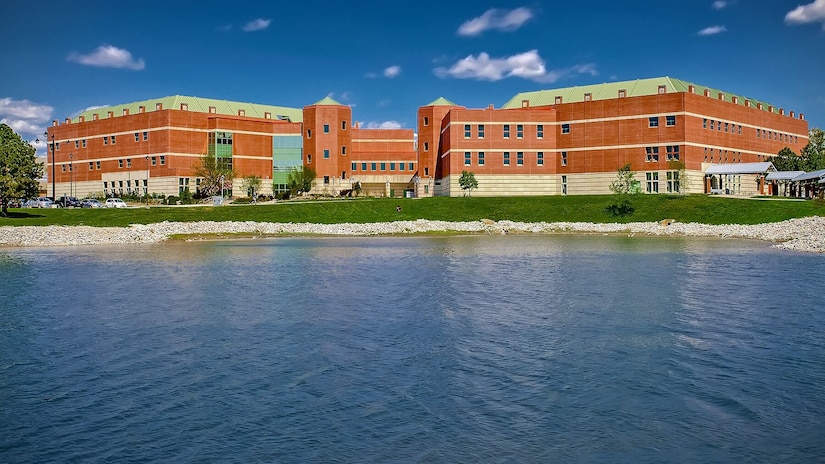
(19, 169)
(467, 181)
(215, 174)
(300, 179)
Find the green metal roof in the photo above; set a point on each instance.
(200, 105)
(326, 101)
(609, 90)
(441, 101)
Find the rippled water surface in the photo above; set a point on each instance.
(424, 349)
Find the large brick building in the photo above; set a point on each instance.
(550, 142)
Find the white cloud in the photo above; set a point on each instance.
(383, 125)
(23, 116)
(527, 65)
(719, 4)
(257, 25)
(810, 13)
(503, 20)
(712, 30)
(392, 71)
(108, 56)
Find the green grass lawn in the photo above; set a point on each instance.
(694, 208)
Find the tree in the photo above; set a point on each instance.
(467, 181)
(300, 179)
(624, 183)
(251, 184)
(680, 180)
(216, 175)
(19, 169)
(787, 160)
(813, 155)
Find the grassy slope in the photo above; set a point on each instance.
(696, 208)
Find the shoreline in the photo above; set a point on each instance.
(800, 234)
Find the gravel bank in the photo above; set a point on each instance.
(805, 234)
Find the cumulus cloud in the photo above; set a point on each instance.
(719, 4)
(527, 65)
(383, 125)
(257, 25)
(502, 20)
(712, 30)
(392, 71)
(23, 116)
(811, 13)
(108, 56)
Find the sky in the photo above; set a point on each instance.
(387, 58)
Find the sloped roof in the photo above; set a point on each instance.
(200, 105)
(811, 175)
(441, 101)
(784, 175)
(634, 88)
(326, 101)
(741, 168)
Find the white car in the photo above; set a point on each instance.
(115, 203)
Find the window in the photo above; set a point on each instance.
(673, 152)
(326, 154)
(652, 154)
(326, 179)
(506, 158)
(565, 128)
(704, 123)
(540, 158)
(63, 167)
(106, 140)
(113, 140)
(129, 162)
(162, 160)
(392, 166)
(84, 143)
(354, 166)
(309, 133)
(670, 120)
(519, 131)
(653, 121)
(481, 131)
(506, 131)
(740, 130)
(91, 166)
(57, 146)
(344, 150)
(309, 158)
(97, 165)
(326, 128)
(467, 160)
(412, 167)
(711, 124)
(383, 166)
(145, 136)
(564, 158)
(564, 185)
(520, 158)
(466, 131)
(372, 167)
(426, 146)
(154, 161)
(120, 163)
(426, 171)
(77, 143)
(481, 158)
(426, 121)
(343, 125)
(363, 166)
(652, 182)
(726, 127)
(673, 181)
(137, 136)
(540, 131)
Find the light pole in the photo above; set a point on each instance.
(146, 187)
(71, 176)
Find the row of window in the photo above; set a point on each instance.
(480, 129)
(737, 129)
(653, 121)
(717, 125)
(724, 156)
(326, 129)
(671, 179)
(772, 135)
(480, 158)
(106, 139)
(383, 166)
(652, 153)
(153, 159)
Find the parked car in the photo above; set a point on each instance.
(68, 202)
(42, 202)
(115, 203)
(90, 203)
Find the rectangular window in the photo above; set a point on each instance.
(57, 146)
(506, 158)
(412, 167)
(343, 125)
(520, 158)
(704, 123)
(673, 181)
(129, 162)
(154, 161)
(481, 131)
(372, 166)
(652, 154)
(481, 158)
(309, 158)
(91, 166)
(113, 140)
(326, 128)
(120, 163)
(540, 131)
(467, 160)
(653, 121)
(326, 179)
(670, 120)
(363, 166)
(145, 136)
(711, 124)
(426, 121)
(137, 136)
(162, 160)
(63, 168)
(77, 143)
(354, 166)
(344, 150)
(97, 165)
(466, 131)
(309, 133)
(383, 166)
(740, 130)
(426, 146)
(726, 127)
(519, 131)
(564, 185)
(106, 140)
(84, 143)
(673, 152)
(392, 166)
(540, 158)
(652, 182)
(326, 154)
(565, 128)
(506, 131)
(564, 158)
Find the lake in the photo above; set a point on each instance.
(474, 349)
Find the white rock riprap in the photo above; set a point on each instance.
(804, 234)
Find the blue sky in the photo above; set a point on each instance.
(387, 58)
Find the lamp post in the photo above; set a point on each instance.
(71, 176)
(146, 189)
